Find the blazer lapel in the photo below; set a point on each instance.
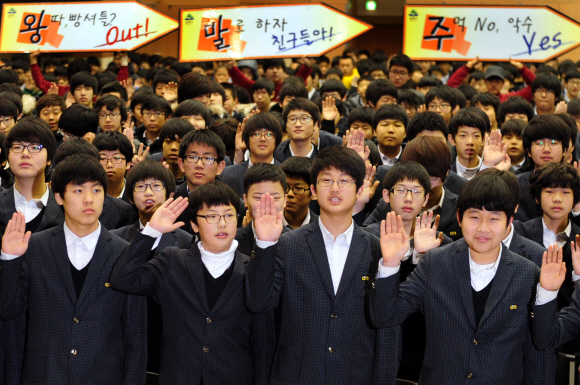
(195, 265)
(446, 216)
(318, 250)
(132, 232)
(235, 282)
(8, 203)
(357, 247)
(60, 255)
(463, 278)
(167, 240)
(502, 278)
(537, 231)
(99, 259)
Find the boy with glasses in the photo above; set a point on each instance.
(546, 89)
(442, 100)
(112, 113)
(8, 115)
(116, 153)
(302, 118)
(298, 195)
(155, 111)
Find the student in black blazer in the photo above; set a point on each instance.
(209, 336)
(79, 330)
(297, 212)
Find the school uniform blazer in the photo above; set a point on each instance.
(97, 338)
(325, 338)
(375, 229)
(453, 183)
(528, 208)
(447, 217)
(233, 176)
(283, 152)
(177, 238)
(117, 213)
(246, 239)
(224, 345)
(527, 248)
(497, 351)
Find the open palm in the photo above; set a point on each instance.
(553, 270)
(394, 240)
(15, 239)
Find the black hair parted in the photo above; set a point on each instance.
(467, 91)
(192, 107)
(264, 172)
(469, 117)
(75, 145)
(78, 120)
(513, 127)
(263, 84)
(78, 169)
(390, 112)
(115, 87)
(211, 194)
(333, 85)
(273, 63)
(7, 108)
(426, 121)
(34, 130)
(193, 85)
(508, 177)
(486, 192)
(429, 81)
(111, 102)
(340, 158)
(443, 93)
(407, 170)
(430, 152)
(218, 89)
(514, 105)
(146, 169)
(302, 104)
(175, 127)
(263, 120)
(298, 167)
(546, 126)
(157, 103)
(293, 89)
(334, 71)
(114, 141)
(206, 137)
(231, 88)
(571, 123)
(555, 175)
(139, 97)
(379, 88)
(360, 114)
(14, 98)
(84, 78)
(548, 81)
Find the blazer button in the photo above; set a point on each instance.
(330, 350)
(205, 349)
(470, 375)
(73, 352)
(76, 320)
(333, 316)
(208, 320)
(475, 342)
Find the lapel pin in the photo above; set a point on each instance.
(107, 284)
(513, 307)
(453, 233)
(365, 278)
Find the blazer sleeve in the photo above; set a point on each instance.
(376, 216)
(552, 330)
(534, 360)
(263, 337)
(265, 278)
(134, 325)
(132, 273)
(457, 77)
(14, 287)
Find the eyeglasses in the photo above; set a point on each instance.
(266, 135)
(6, 120)
(113, 115)
(442, 106)
(155, 186)
(303, 119)
(212, 219)
(297, 190)
(550, 143)
(207, 160)
(399, 73)
(154, 115)
(343, 183)
(113, 160)
(402, 192)
(540, 91)
(32, 148)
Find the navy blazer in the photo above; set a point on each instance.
(246, 239)
(223, 345)
(527, 248)
(97, 338)
(498, 350)
(528, 208)
(283, 152)
(117, 213)
(325, 338)
(177, 238)
(233, 176)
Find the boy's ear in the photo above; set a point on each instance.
(426, 199)
(245, 201)
(221, 167)
(386, 196)
(313, 191)
(194, 227)
(459, 219)
(180, 164)
(451, 139)
(58, 199)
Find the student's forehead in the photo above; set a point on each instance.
(106, 109)
(390, 121)
(408, 182)
(218, 208)
(149, 179)
(86, 184)
(295, 180)
(201, 148)
(469, 129)
(298, 112)
(266, 186)
(360, 123)
(483, 211)
(334, 171)
(51, 108)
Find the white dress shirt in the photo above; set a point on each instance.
(307, 155)
(468, 173)
(81, 250)
(336, 251)
(156, 234)
(549, 237)
(306, 220)
(507, 241)
(250, 164)
(30, 208)
(390, 161)
(122, 191)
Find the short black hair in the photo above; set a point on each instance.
(9, 76)
(84, 78)
(32, 129)
(115, 86)
(390, 111)
(341, 158)
(14, 98)
(298, 167)
(334, 71)
(78, 65)
(113, 141)
(48, 100)
(513, 127)
(408, 97)
(263, 84)
(514, 105)
(20, 64)
(574, 107)
(443, 93)
(508, 177)
(486, 99)
(403, 61)
(555, 175)
(333, 85)
(207, 137)
(469, 117)
(426, 121)
(226, 129)
(409, 170)
(379, 88)
(264, 172)
(360, 114)
(105, 78)
(302, 104)
(175, 127)
(75, 145)
(165, 76)
(193, 85)
(77, 169)
(546, 126)
(467, 91)
(430, 152)
(263, 120)
(475, 75)
(181, 68)
(111, 102)
(139, 97)
(12, 88)
(293, 89)
(571, 123)
(232, 88)
(571, 74)
(191, 107)
(78, 120)
(486, 192)
(7, 108)
(211, 194)
(277, 62)
(429, 81)
(218, 89)
(156, 103)
(549, 82)
(146, 169)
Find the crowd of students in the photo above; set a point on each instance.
(345, 221)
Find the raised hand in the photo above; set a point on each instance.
(494, 149)
(247, 218)
(553, 270)
(230, 64)
(394, 240)
(369, 189)
(239, 143)
(129, 124)
(561, 107)
(70, 100)
(163, 220)
(329, 110)
(356, 140)
(425, 235)
(34, 57)
(170, 92)
(516, 64)
(15, 239)
(575, 247)
(470, 64)
(128, 84)
(268, 222)
(505, 164)
(421, 108)
(53, 90)
(140, 155)
(308, 62)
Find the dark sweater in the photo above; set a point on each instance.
(215, 286)
(479, 300)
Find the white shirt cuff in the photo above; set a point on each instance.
(151, 232)
(385, 271)
(264, 244)
(8, 257)
(544, 296)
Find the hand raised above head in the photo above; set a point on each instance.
(425, 235)
(268, 222)
(163, 220)
(394, 240)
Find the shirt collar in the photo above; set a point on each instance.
(328, 237)
(567, 230)
(477, 269)
(385, 158)
(508, 240)
(440, 204)
(250, 164)
(306, 220)
(123, 191)
(43, 199)
(462, 169)
(308, 155)
(90, 241)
